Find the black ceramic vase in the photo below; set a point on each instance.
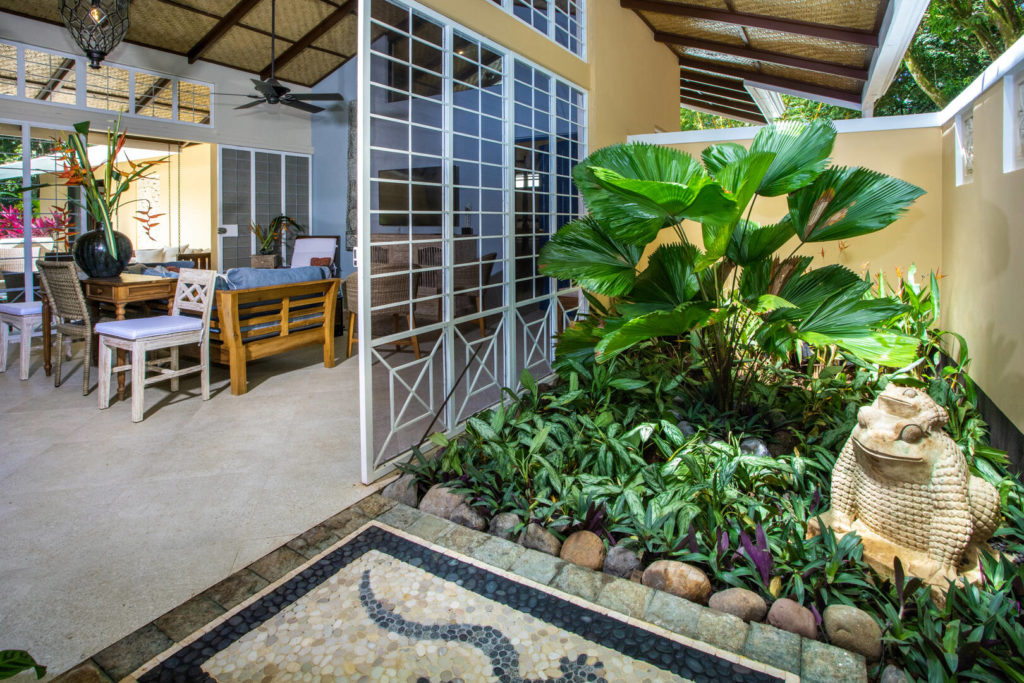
(93, 256)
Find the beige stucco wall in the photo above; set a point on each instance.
(915, 155)
(982, 244)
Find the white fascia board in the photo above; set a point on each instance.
(898, 28)
(768, 101)
(932, 120)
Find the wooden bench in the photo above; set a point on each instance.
(263, 321)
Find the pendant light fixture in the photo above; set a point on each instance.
(96, 25)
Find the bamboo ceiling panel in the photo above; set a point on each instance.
(295, 18)
(184, 26)
(857, 14)
(835, 51)
(696, 28)
(342, 37)
(823, 48)
(308, 63)
(850, 85)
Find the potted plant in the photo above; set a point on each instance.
(269, 240)
(103, 252)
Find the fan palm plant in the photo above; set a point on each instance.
(732, 298)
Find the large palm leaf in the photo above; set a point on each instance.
(675, 323)
(584, 251)
(741, 177)
(638, 189)
(801, 153)
(751, 242)
(669, 278)
(847, 202)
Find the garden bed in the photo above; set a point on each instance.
(625, 454)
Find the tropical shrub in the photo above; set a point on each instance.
(732, 301)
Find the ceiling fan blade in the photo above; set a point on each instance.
(333, 96)
(251, 104)
(311, 108)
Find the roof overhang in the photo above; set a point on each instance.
(732, 52)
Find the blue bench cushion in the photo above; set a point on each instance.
(22, 308)
(138, 328)
(249, 278)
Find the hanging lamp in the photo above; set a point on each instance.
(96, 25)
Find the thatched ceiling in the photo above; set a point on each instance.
(820, 48)
(314, 37)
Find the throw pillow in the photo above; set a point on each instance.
(320, 261)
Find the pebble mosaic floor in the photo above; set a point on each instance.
(385, 606)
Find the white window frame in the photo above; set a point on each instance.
(1013, 121)
(508, 7)
(961, 140)
(251, 151)
(372, 467)
(81, 81)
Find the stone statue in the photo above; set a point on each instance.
(902, 478)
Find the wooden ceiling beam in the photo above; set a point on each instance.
(317, 32)
(56, 78)
(788, 84)
(747, 106)
(226, 23)
(763, 56)
(739, 95)
(803, 28)
(708, 79)
(728, 112)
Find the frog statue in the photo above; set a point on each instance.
(903, 478)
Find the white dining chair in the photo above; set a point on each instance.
(194, 295)
(25, 315)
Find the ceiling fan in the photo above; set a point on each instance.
(271, 91)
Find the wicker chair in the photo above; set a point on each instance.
(474, 277)
(64, 292)
(387, 290)
(430, 257)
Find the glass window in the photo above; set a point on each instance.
(49, 77)
(8, 69)
(52, 77)
(560, 20)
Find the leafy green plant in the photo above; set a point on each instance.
(13, 662)
(734, 304)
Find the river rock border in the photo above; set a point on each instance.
(669, 594)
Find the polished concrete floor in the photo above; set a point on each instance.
(108, 524)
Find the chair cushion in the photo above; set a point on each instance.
(22, 308)
(138, 328)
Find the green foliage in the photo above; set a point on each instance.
(13, 662)
(728, 301)
(632, 450)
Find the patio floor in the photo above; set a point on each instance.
(109, 524)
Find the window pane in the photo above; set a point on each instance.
(49, 77)
(193, 102)
(8, 69)
(107, 88)
(153, 95)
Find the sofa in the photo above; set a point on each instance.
(261, 312)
